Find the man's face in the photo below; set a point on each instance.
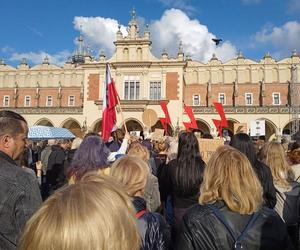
(18, 142)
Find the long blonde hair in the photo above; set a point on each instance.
(230, 177)
(274, 157)
(131, 172)
(92, 214)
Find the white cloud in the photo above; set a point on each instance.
(180, 4)
(166, 33)
(99, 32)
(38, 57)
(175, 26)
(284, 38)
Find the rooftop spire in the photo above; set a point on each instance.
(133, 27)
(133, 14)
(80, 51)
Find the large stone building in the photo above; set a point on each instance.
(71, 96)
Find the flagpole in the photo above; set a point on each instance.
(122, 115)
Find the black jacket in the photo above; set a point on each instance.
(19, 199)
(154, 232)
(55, 169)
(200, 229)
(264, 174)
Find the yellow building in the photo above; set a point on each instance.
(71, 96)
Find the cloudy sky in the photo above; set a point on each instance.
(35, 28)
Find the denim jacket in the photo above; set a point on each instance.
(19, 199)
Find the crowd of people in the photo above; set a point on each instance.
(135, 193)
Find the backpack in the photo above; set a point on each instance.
(237, 238)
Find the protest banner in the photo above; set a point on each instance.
(257, 128)
(240, 128)
(208, 147)
(158, 134)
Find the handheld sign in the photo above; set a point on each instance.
(208, 147)
(240, 128)
(158, 134)
(257, 128)
(149, 117)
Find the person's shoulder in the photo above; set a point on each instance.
(197, 213)
(270, 215)
(15, 175)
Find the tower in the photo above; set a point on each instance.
(294, 95)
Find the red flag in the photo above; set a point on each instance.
(165, 120)
(190, 113)
(218, 125)
(110, 100)
(220, 110)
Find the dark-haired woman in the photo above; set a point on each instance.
(244, 144)
(183, 177)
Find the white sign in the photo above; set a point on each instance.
(135, 133)
(257, 128)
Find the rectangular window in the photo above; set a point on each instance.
(155, 91)
(27, 101)
(126, 91)
(137, 90)
(222, 98)
(6, 101)
(196, 100)
(276, 99)
(249, 98)
(71, 101)
(49, 102)
(132, 90)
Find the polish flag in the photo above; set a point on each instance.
(110, 100)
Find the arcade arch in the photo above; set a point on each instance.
(133, 125)
(288, 127)
(44, 122)
(97, 126)
(72, 125)
(203, 126)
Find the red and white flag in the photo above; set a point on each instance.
(110, 100)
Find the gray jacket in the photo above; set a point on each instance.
(19, 198)
(152, 196)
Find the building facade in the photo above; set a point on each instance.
(71, 96)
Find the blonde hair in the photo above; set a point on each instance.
(76, 143)
(138, 150)
(132, 173)
(274, 157)
(92, 214)
(230, 177)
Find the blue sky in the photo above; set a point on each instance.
(35, 28)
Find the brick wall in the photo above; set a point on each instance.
(172, 86)
(281, 88)
(93, 87)
(195, 89)
(44, 92)
(227, 89)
